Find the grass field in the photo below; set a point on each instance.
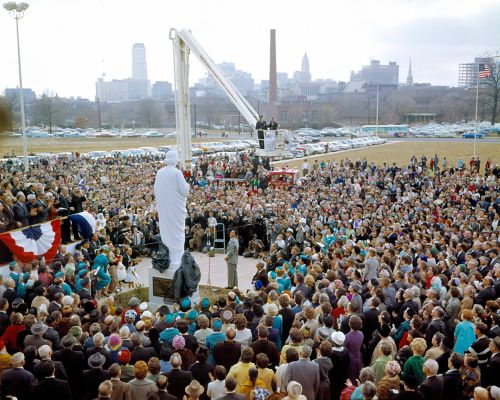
(401, 152)
(83, 145)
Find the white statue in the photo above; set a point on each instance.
(171, 191)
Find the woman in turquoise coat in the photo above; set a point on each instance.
(101, 273)
(465, 332)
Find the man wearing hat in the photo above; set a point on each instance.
(72, 361)
(93, 377)
(36, 339)
(194, 390)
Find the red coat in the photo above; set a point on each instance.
(10, 336)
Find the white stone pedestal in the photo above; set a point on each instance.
(157, 281)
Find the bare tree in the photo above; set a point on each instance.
(492, 85)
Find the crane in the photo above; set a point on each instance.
(185, 43)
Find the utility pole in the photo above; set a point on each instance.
(194, 112)
(99, 114)
(16, 10)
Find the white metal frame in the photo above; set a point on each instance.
(184, 43)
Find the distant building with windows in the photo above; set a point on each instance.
(114, 91)
(304, 75)
(136, 88)
(242, 80)
(386, 75)
(29, 95)
(162, 90)
(467, 72)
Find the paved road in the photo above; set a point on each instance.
(454, 140)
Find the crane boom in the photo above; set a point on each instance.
(184, 43)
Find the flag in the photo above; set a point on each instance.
(85, 222)
(34, 241)
(484, 71)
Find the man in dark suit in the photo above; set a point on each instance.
(16, 381)
(21, 213)
(12, 223)
(140, 353)
(45, 354)
(261, 274)
(178, 378)
(73, 363)
(98, 340)
(263, 345)
(4, 317)
(85, 292)
(230, 386)
(493, 363)
(433, 385)
(410, 392)
(161, 384)
(227, 353)
(121, 390)
(452, 378)
(95, 376)
(51, 387)
(488, 292)
(460, 254)
(436, 325)
(63, 210)
(370, 319)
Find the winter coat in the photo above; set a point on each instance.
(186, 278)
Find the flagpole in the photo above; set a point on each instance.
(477, 102)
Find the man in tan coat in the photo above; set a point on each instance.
(121, 390)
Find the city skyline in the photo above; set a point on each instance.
(67, 54)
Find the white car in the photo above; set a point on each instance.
(98, 154)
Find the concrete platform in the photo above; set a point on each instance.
(218, 270)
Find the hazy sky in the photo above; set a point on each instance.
(67, 44)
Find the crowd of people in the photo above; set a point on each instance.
(372, 281)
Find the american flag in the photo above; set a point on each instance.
(484, 71)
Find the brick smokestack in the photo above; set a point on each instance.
(273, 79)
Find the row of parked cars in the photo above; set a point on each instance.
(302, 150)
(222, 149)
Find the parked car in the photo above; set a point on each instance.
(471, 135)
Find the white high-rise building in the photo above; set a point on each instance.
(139, 65)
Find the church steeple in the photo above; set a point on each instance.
(305, 63)
(409, 79)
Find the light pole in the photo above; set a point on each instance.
(376, 117)
(16, 10)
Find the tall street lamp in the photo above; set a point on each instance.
(16, 10)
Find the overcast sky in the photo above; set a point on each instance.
(67, 44)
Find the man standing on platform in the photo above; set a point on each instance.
(261, 126)
(232, 260)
